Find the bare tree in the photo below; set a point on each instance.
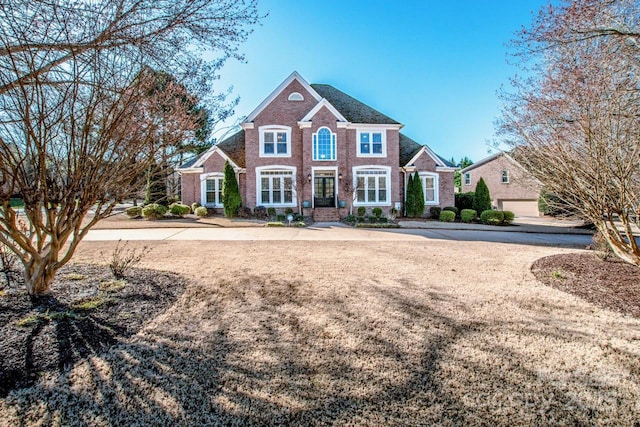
(575, 122)
(78, 127)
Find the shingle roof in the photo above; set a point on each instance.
(409, 148)
(352, 109)
(233, 147)
(189, 163)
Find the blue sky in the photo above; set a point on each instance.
(434, 66)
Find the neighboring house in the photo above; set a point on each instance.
(512, 188)
(315, 148)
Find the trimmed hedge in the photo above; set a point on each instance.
(377, 212)
(194, 206)
(434, 212)
(508, 217)
(465, 200)
(453, 209)
(134, 212)
(491, 217)
(447, 216)
(468, 215)
(201, 212)
(179, 209)
(154, 211)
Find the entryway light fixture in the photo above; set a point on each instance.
(309, 177)
(340, 177)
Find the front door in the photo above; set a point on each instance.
(324, 188)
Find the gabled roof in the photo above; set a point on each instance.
(233, 147)
(410, 149)
(352, 109)
(487, 160)
(293, 76)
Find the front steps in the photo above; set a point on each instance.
(326, 215)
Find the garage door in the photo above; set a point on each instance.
(520, 207)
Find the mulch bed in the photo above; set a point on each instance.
(87, 312)
(609, 283)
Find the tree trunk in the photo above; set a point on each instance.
(620, 248)
(39, 273)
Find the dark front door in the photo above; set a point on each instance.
(324, 191)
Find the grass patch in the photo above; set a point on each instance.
(112, 285)
(90, 304)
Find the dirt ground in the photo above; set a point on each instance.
(380, 333)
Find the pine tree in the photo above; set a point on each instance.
(409, 204)
(418, 194)
(230, 193)
(482, 198)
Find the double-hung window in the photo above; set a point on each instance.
(275, 141)
(371, 143)
(372, 186)
(276, 187)
(505, 177)
(212, 191)
(467, 178)
(324, 145)
(430, 188)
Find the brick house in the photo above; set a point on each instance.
(512, 188)
(316, 149)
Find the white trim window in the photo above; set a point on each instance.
(275, 141)
(371, 143)
(467, 178)
(276, 186)
(372, 185)
(211, 190)
(324, 145)
(504, 176)
(429, 188)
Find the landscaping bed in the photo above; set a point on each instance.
(87, 312)
(609, 283)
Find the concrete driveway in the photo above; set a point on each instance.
(336, 232)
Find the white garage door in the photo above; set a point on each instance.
(520, 207)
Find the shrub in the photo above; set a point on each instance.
(231, 199)
(244, 212)
(447, 216)
(194, 206)
(377, 212)
(464, 200)
(434, 212)
(271, 212)
(281, 217)
(134, 212)
(173, 199)
(260, 212)
(122, 259)
(482, 198)
(361, 210)
(468, 215)
(299, 224)
(178, 209)
(201, 212)
(350, 218)
(360, 218)
(275, 224)
(414, 204)
(508, 217)
(298, 217)
(383, 220)
(491, 217)
(154, 211)
(451, 209)
(288, 211)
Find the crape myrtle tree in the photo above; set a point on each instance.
(77, 124)
(575, 121)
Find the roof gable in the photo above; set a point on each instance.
(410, 150)
(278, 90)
(352, 109)
(323, 103)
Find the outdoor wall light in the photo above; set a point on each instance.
(340, 177)
(309, 177)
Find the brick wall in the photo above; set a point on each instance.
(521, 185)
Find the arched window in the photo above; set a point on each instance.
(324, 145)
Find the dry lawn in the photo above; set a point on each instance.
(304, 333)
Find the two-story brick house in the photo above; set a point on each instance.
(317, 148)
